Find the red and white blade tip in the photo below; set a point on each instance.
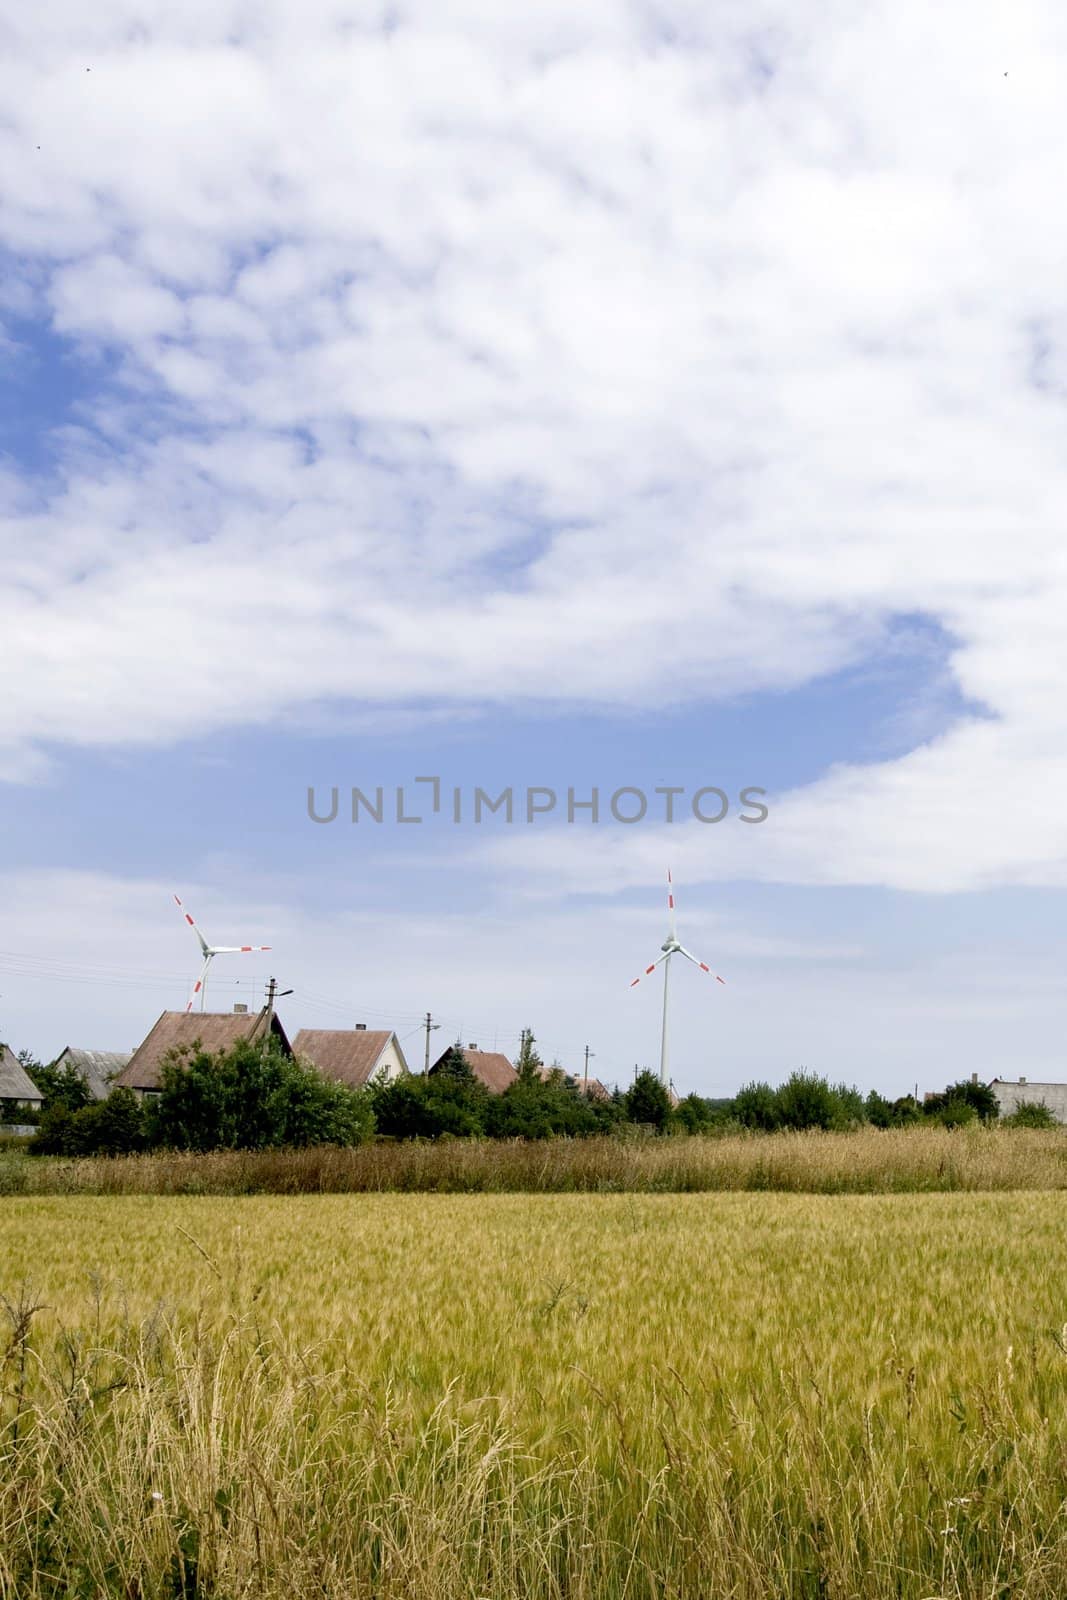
(184, 913)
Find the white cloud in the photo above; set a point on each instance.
(600, 355)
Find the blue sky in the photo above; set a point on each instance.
(640, 396)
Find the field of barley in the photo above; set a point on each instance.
(607, 1397)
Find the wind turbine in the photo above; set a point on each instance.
(209, 951)
(671, 947)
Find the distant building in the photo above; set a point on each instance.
(488, 1066)
(352, 1056)
(590, 1086)
(97, 1068)
(176, 1030)
(16, 1085)
(1013, 1094)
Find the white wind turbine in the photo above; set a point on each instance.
(210, 951)
(671, 947)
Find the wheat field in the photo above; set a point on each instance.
(611, 1396)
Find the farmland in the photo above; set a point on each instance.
(869, 1161)
(613, 1395)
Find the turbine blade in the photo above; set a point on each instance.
(652, 968)
(198, 986)
(698, 963)
(203, 942)
(236, 949)
(670, 904)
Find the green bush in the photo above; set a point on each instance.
(542, 1108)
(1031, 1114)
(116, 1126)
(804, 1101)
(253, 1098)
(949, 1108)
(450, 1101)
(756, 1107)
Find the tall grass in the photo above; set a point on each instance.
(414, 1398)
(868, 1162)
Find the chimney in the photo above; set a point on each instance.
(361, 1027)
(974, 1077)
(240, 1009)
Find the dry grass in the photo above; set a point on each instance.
(413, 1397)
(869, 1162)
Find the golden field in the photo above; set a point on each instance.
(420, 1396)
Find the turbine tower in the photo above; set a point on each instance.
(671, 947)
(209, 952)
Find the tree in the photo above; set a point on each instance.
(63, 1085)
(697, 1114)
(756, 1106)
(537, 1108)
(807, 1101)
(951, 1106)
(878, 1111)
(529, 1063)
(116, 1126)
(450, 1100)
(249, 1097)
(454, 1064)
(648, 1103)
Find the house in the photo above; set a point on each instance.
(181, 1030)
(16, 1085)
(489, 1067)
(96, 1067)
(590, 1086)
(1011, 1095)
(352, 1056)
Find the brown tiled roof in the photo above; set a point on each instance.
(347, 1055)
(15, 1082)
(489, 1067)
(176, 1030)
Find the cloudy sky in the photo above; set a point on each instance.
(633, 394)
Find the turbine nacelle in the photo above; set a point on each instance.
(209, 951)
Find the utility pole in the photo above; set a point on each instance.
(431, 1027)
(272, 987)
(273, 993)
(585, 1075)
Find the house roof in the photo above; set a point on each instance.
(176, 1030)
(97, 1067)
(488, 1066)
(15, 1081)
(591, 1086)
(1025, 1083)
(346, 1055)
